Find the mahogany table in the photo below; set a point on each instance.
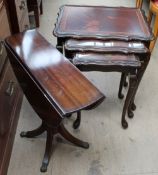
(100, 22)
(120, 24)
(53, 86)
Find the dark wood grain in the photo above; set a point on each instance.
(102, 22)
(53, 86)
(62, 83)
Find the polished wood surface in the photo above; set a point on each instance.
(102, 22)
(53, 86)
(57, 77)
(101, 62)
(101, 46)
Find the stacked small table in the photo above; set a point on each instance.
(98, 38)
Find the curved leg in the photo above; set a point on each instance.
(48, 150)
(77, 122)
(130, 112)
(120, 95)
(140, 74)
(132, 84)
(62, 130)
(131, 108)
(33, 133)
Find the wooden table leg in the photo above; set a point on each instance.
(140, 74)
(48, 149)
(122, 83)
(132, 85)
(63, 131)
(33, 133)
(50, 134)
(59, 45)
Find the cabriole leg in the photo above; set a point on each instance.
(132, 84)
(33, 133)
(123, 77)
(62, 130)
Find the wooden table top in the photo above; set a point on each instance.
(109, 46)
(62, 83)
(102, 22)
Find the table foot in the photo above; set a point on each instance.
(43, 168)
(124, 124)
(130, 114)
(33, 133)
(49, 141)
(133, 107)
(48, 150)
(120, 96)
